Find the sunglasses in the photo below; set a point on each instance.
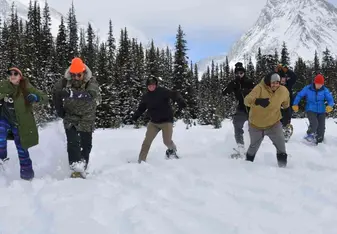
(240, 73)
(74, 75)
(13, 73)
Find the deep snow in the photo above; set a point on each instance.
(205, 192)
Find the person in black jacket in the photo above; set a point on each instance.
(157, 102)
(288, 79)
(240, 86)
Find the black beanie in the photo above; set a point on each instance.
(239, 67)
(151, 80)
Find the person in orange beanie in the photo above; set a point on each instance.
(316, 94)
(76, 97)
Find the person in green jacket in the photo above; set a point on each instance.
(17, 120)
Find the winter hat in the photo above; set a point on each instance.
(239, 67)
(319, 79)
(151, 80)
(271, 77)
(15, 69)
(77, 66)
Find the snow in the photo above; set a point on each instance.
(203, 192)
(305, 26)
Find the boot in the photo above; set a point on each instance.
(250, 157)
(282, 159)
(171, 152)
(27, 173)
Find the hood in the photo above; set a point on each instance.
(87, 74)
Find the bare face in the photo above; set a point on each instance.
(240, 74)
(151, 87)
(283, 80)
(14, 77)
(318, 86)
(275, 85)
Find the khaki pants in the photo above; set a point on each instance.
(151, 133)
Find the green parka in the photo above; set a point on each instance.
(24, 113)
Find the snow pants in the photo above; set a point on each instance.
(79, 145)
(275, 134)
(239, 119)
(317, 125)
(286, 116)
(26, 168)
(152, 130)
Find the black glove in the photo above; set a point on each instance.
(264, 102)
(65, 93)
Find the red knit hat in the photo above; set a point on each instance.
(319, 79)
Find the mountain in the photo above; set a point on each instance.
(22, 9)
(305, 26)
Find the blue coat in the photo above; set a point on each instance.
(315, 99)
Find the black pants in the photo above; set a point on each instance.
(286, 116)
(79, 145)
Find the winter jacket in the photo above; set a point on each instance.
(77, 105)
(315, 99)
(21, 115)
(291, 80)
(240, 88)
(263, 118)
(157, 103)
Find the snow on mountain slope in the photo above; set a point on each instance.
(305, 26)
(22, 8)
(204, 192)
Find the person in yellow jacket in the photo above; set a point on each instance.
(265, 102)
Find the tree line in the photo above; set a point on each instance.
(122, 67)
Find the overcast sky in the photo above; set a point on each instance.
(209, 26)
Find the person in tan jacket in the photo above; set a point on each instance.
(265, 102)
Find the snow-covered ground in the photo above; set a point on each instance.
(205, 192)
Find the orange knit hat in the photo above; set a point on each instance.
(77, 66)
(319, 79)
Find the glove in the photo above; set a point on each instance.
(280, 67)
(65, 93)
(328, 109)
(32, 98)
(264, 102)
(295, 108)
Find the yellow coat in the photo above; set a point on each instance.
(263, 118)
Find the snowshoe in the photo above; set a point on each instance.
(78, 170)
(310, 139)
(3, 163)
(77, 174)
(171, 153)
(239, 152)
(288, 132)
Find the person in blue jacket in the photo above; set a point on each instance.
(316, 95)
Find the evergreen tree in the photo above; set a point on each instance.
(73, 34)
(12, 41)
(285, 59)
(328, 67)
(61, 50)
(317, 67)
(103, 116)
(182, 81)
(250, 70)
(90, 49)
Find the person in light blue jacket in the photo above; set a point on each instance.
(316, 95)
